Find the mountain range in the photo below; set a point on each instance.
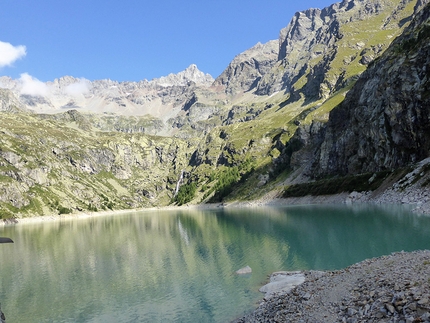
(342, 93)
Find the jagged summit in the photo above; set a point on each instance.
(247, 68)
(191, 73)
(155, 97)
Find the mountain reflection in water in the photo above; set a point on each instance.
(178, 266)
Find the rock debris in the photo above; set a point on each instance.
(394, 288)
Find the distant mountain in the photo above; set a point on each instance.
(156, 97)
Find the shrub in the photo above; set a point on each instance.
(64, 210)
(186, 193)
(337, 185)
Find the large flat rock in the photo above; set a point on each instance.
(283, 281)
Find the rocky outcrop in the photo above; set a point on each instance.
(247, 68)
(391, 288)
(384, 121)
(312, 48)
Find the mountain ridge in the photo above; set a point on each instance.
(252, 130)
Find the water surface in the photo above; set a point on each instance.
(178, 266)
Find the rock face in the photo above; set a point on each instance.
(9, 103)
(383, 123)
(310, 34)
(247, 68)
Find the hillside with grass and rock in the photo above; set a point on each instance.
(338, 104)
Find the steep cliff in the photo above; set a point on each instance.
(384, 121)
(9, 102)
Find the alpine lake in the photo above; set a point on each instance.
(179, 265)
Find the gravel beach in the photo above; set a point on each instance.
(394, 288)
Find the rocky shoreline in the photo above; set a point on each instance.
(394, 288)
(411, 189)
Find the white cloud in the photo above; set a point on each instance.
(10, 53)
(32, 86)
(78, 88)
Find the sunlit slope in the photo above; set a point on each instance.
(49, 167)
(259, 128)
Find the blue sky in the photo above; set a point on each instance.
(132, 40)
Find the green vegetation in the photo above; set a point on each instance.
(229, 178)
(60, 209)
(186, 193)
(360, 183)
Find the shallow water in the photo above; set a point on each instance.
(178, 266)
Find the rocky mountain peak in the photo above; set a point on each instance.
(299, 31)
(247, 68)
(156, 97)
(190, 74)
(315, 47)
(258, 52)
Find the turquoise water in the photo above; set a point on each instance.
(178, 266)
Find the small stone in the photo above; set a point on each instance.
(352, 311)
(306, 297)
(423, 301)
(366, 309)
(390, 308)
(425, 317)
(412, 306)
(244, 270)
(379, 315)
(400, 302)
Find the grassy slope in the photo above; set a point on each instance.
(49, 167)
(256, 139)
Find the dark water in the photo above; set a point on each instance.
(178, 266)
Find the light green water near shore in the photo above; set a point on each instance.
(178, 266)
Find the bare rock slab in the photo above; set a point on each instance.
(283, 282)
